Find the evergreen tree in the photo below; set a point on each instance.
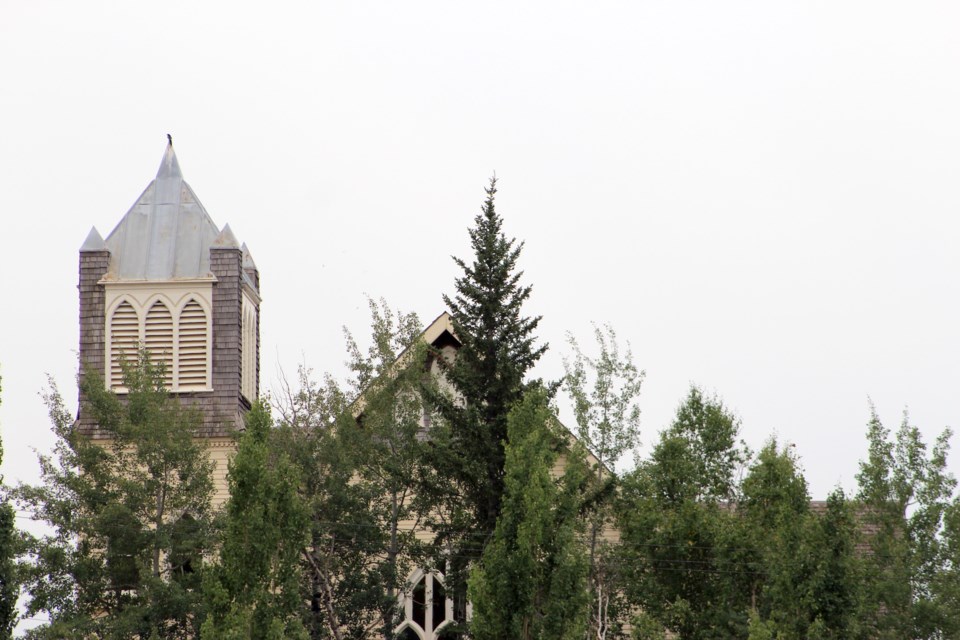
(254, 591)
(531, 581)
(498, 349)
(130, 516)
(9, 584)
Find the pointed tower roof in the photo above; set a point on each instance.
(94, 241)
(166, 234)
(248, 262)
(225, 239)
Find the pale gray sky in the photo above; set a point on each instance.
(761, 196)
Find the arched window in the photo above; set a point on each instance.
(124, 339)
(408, 634)
(427, 609)
(158, 339)
(192, 343)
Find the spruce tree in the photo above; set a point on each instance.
(498, 349)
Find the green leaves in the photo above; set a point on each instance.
(116, 510)
(908, 499)
(252, 592)
(531, 579)
(360, 458)
(604, 390)
(9, 580)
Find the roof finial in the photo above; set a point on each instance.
(170, 139)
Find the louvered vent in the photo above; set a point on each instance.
(249, 346)
(193, 347)
(124, 336)
(159, 340)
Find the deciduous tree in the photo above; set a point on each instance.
(360, 452)
(906, 492)
(9, 583)
(687, 556)
(531, 581)
(604, 390)
(129, 517)
(254, 590)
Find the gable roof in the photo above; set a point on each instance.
(166, 234)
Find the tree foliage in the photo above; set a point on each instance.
(604, 390)
(530, 582)
(129, 516)
(907, 495)
(714, 553)
(498, 349)
(9, 581)
(254, 590)
(360, 453)
(807, 583)
(685, 554)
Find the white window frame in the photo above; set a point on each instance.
(426, 632)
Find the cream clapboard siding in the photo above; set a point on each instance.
(220, 451)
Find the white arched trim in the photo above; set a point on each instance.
(412, 626)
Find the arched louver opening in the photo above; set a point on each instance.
(249, 355)
(158, 340)
(192, 370)
(124, 338)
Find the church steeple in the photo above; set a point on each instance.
(168, 279)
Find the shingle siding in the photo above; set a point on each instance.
(93, 266)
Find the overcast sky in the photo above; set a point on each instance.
(762, 197)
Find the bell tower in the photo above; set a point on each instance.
(168, 279)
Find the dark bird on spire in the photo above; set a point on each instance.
(170, 139)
